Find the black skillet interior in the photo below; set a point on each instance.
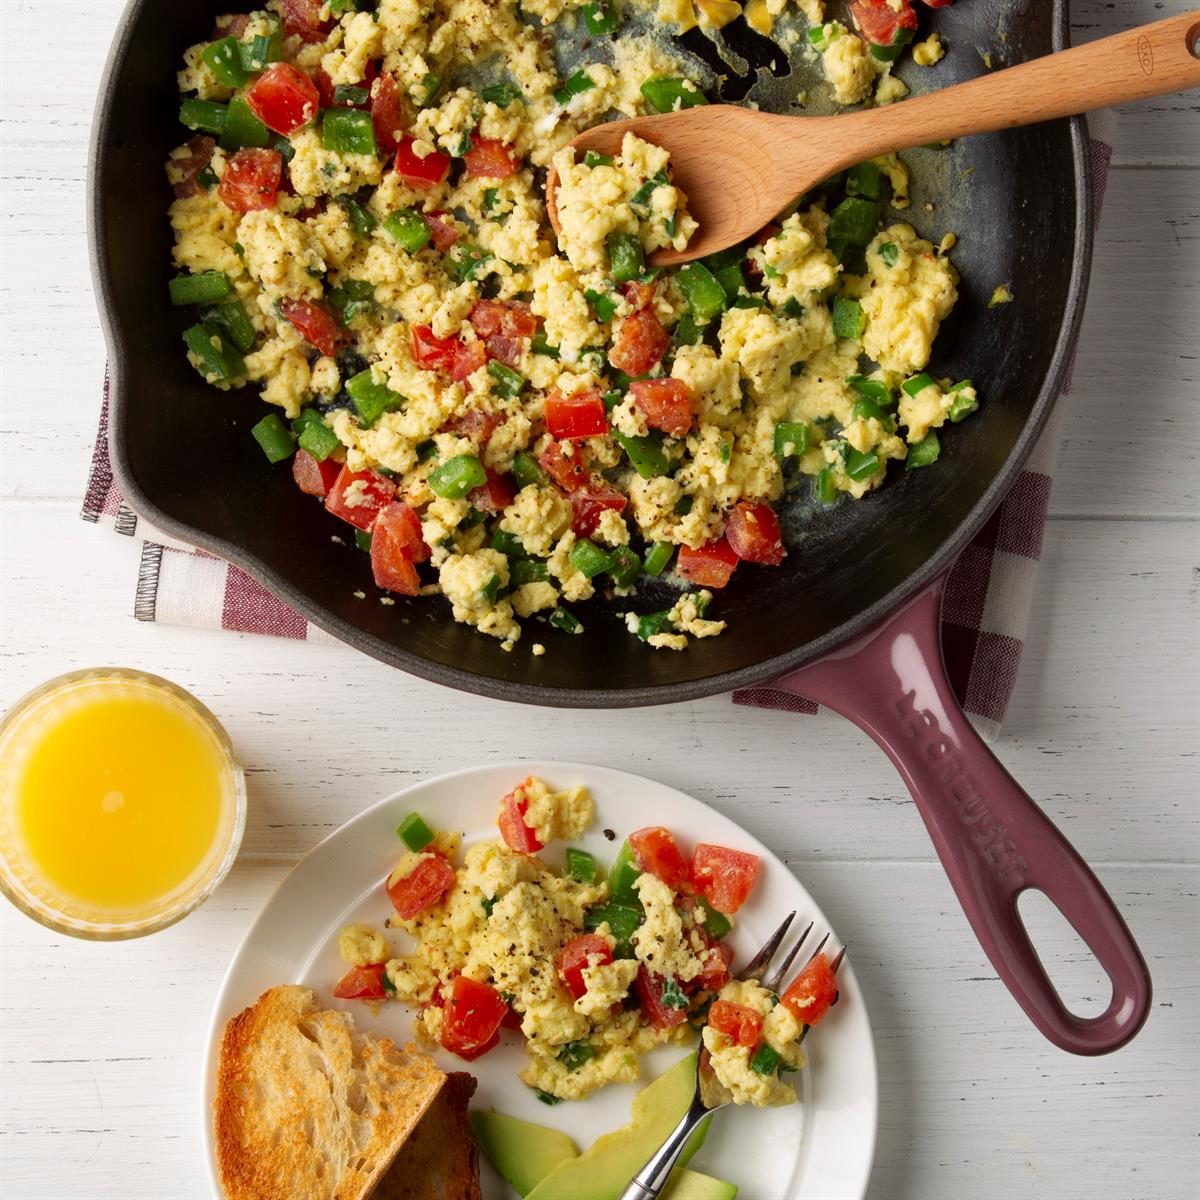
(186, 460)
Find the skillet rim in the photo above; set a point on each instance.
(529, 693)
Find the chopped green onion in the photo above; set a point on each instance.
(581, 866)
(821, 35)
(207, 178)
(465, 260)
(686, 331)
(864, 180)
(890, 253)
(492, 202)
(621, 919)
(683, 506)
(574, 1054)
(561, 619)
(350, 95)
(651, 624)
(576, 85)
(825, 486)
(672, 995)
(592, 159)
(965, 401)
(626, 566)
(861, 465)
(230, 317)
(362, 220)
(243, 128)
(370, 398)
(646, 454)
(506, 381)
(611, 400)
(705, 296)
(507, 543)
(314, 435)
(916, 384)
(426, 92)
(205, 115)
(352, 297)
(791, 439)
(414, 833)
(849, 320)
(457, 476)
(491, 589)
(275, 438)
(463, 147)
(588, 559)
(348, 131)
(528, 570)
(866, 409)
(539, 345)
(261, 50)
(501, 94)
(854, 221)
(603, 304)
(625, 257)
(601, 17)
(765, 1060)
(487, 903)
(217, 357)
(924, 452)
(203, 288)
(546, 1098)
(871, 389)
(640, 200)
(671, 94)
(657, 558)
(526, 470)
(715, 923)
(793, 308)
(225, 62)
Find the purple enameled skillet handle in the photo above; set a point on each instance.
(992, 839)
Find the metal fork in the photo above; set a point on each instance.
(649, 1182)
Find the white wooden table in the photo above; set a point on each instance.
(100, 1044)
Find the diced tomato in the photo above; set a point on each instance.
(230, 25)
(724, 877)
(362, 983)
(639, 343)
(283, 98)
(324, 87)
(420, 172)
(513, 318)
(474, 1012)
(359, 505)
(442, 232)
(714, 974)
(468, 358)
(518, 836)
(589, 503)
(711, 566)
(478, 424)
(396, 545)
(569, 471)
(810, 994)
(512, 1020)
(938, 3)
(638, 295)
(665, 403)
(489, 159)
(423, 887)
(656, 851)
(580, 415)
(313, 476)
(879, 22)
(387, 115)
(433, 353)
(649, 988)
(742, 1025)
(505, 349)
(251, 180)
(495, 495)
(318, 326)
(753, 532)
(303, 18)
(574, 956)
(200, 151)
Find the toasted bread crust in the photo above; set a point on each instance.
(307, 1106)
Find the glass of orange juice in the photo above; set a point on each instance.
(121, 803)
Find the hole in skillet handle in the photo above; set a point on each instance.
(1075, 973)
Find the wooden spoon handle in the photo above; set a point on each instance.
(1147, 61)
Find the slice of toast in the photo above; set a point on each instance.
(441, 1159)
(307, 1106)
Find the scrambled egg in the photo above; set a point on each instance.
(767, 346)
(731, 1062)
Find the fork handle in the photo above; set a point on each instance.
(993, 840)
(649, 1182)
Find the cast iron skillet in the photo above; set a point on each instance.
(1020, 202)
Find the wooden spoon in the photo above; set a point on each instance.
(739, 168)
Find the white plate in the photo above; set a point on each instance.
(820, 1149)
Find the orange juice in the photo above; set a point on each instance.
(120, 803)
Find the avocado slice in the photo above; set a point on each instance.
(603, 1170)
(522, 1152)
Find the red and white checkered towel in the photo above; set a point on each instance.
(988, 595)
